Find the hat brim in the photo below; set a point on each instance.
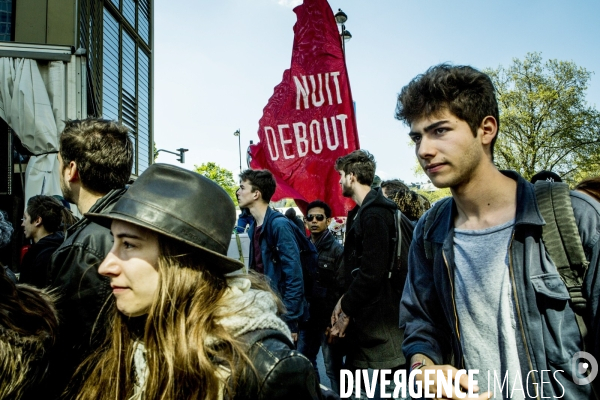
(213, 259)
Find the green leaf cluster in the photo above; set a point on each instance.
(435, 195)
(545, 121)
(223, 177)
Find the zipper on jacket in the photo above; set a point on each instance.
(451, 277)
(516, 298)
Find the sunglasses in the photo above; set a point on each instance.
(310, 217)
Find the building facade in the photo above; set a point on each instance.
(113, 41)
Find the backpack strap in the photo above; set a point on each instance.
(561, 236)
(250, 338)
(397, 241)
(563, 243)
(431, 216)
(239, 245)
(273, 247)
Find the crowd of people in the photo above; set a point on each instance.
(138, 300)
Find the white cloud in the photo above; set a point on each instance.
(289, 3)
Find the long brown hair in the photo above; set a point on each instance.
(183, 315)
(28, 329)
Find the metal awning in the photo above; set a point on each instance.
(36, 51)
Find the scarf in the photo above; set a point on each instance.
(244, 310)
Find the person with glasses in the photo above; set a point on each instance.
(314, 333)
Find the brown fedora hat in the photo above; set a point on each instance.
(182, 205)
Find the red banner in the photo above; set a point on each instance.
(309, 121)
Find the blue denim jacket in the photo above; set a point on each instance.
(545, 319)
(284, 269)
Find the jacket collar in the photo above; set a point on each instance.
(104, 203)
(270, 214)
(374, 198)
(527, 212)
(324, 240)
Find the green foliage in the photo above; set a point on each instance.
(223, 177)
(290, 203)
(546, 124)
(435, 195)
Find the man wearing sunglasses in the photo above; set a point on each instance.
(368, 311)
(313, 333)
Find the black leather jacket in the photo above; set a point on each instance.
(83, 292)
(328, 283)
(281, 372)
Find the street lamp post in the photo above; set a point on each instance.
(239, 136)
(341, 18)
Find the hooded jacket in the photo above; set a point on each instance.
(545, 319)
(82, 291)
(370, 300)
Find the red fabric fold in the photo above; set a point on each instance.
(309, 121)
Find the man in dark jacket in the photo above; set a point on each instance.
(482, 292)
(95, 161)
(369, 308)
(273, 249)
(43, 224)
(328, 290)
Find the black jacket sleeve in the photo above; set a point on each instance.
(373, 264)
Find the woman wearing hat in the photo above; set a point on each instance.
(183, 327)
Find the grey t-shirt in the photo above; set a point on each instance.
(490, 336)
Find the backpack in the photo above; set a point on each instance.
(398, 270)
(263, 370)
(309, 258)
(560, 236)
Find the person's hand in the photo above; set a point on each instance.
(339, 328)
(330, 338)
(433, 388)
(339, 320)
(294, 337)
(336, 311)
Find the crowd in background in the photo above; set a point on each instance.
(138, 300)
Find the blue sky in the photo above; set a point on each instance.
(217, 62)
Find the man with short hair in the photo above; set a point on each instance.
(95, 161)
(274, 251)
(43, 219)
(486, 294)
(369, 307)
(313, 333)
